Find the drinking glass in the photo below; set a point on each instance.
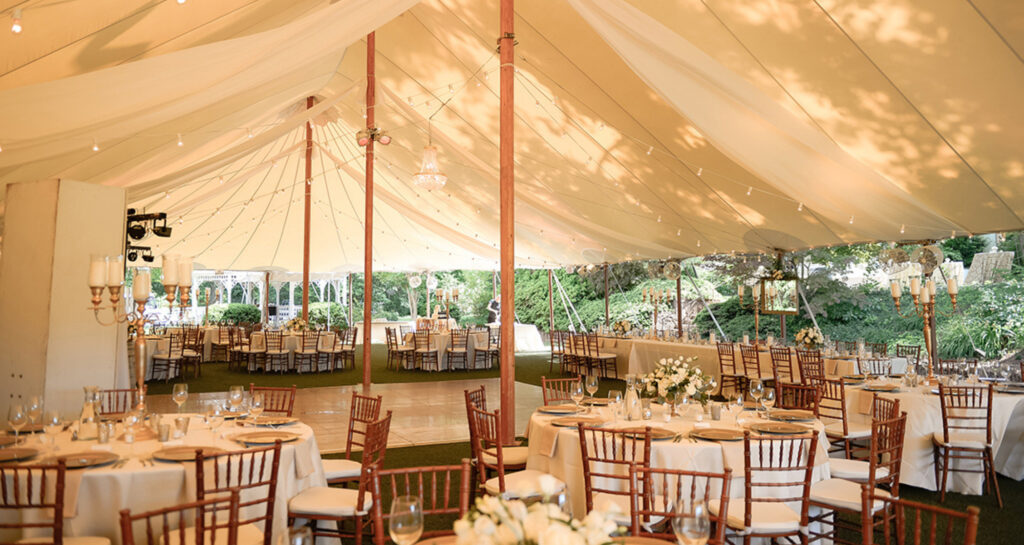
(576, 393)
(17, 417)
(215, 417)
(592, 385)
(180, 395)
(615, 402)
(256, 406)
(296, 536)
(768, 401)
(235, 396)
(35, 409)
(737, 403)
(52, 426)
(406, 522)
(756, 390)
(692, 526)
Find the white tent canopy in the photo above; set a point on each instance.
(644, 129)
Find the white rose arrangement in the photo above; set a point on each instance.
(678, 377)
(497, 521)
(810, 337)
(622, 327)
(296, 324)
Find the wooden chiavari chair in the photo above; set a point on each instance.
(328, 350)
(399, 355)
(167, 526)
(848, 347)
(573, 353)
(425, 355)
(458, 349)
(253, 473)
(489, 451)
(878, 350)
(481, 353)
(874, 366)
(433, 485)
(730, 378)
(308, 355)
(276, 399)
(340, 505)
(220, 345)
(607, 456)
(597, 360)
(679, 486)
(34, 487)
(841, 432)
(884, 408)
(955, 367)
(494, 345)
(768, 463)
(169, 363)
(348, 348)
(911, 352)
(798, 397)
(514, 454)
(364, 411)
(751, 362)
(119, 401)
(782, 365)
(966, 435)
(939, 525)
(557, 348)
(192, 354)
(557, 390)
(812, 366)
(275, 355)
(252, 350)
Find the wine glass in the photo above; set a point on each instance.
(756, 390)
(591, 385)
(17, 417)
(615, 402)
(52, 426)
(180, 395)
(768, 401)
(406, 522)
(256, 406)
(215, 417)
(737, 403)
(35, 409)
(576, 393)
(235, 396)
(692, 526)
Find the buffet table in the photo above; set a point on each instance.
(94, 496)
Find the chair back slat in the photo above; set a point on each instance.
(253, 472)
(365, 409)
(274, 340)
(874, 366)
(812, 366)
(30, 487)
(276, 400)
(558, 390)
(119, 400)
(751, 361)
(727, 358)
(679, 487)
(917, 523)
(966, 410)
(797, 396)
(156, 527)
(778, 469)
(782, 364)
(607, 455)
(486, 434)
(445, 493)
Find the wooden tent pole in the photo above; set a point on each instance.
(506, 153)
(368, 225)
(679, 307)
(607, 322)
(551, 305)
(266, 296)
(349, 304)
(305, 221)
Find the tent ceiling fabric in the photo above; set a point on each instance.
(643, 129)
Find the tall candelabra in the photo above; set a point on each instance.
(446, 298)
(108, 273)
(756, 296)
(656, 298)
(924, 308)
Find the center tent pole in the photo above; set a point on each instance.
(305, 224)
(679, 307)
(506, 153)
(368, 225)
(607, 323)
(551, 306)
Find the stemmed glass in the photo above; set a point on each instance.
(180, 395)
(235, 396)
(692, 526)
(52, 426)
(737, 402)
(615, 402)
(17, 417)
(591, 385)
(756, 390)
(214, 417)
(576, 393)
(35, 409)
(256, 406)
(768, 401)
(406, 522)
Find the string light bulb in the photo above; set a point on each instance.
(95, 145)
(903, 228)
(248, 133)
(749, 190)
(851, 220)
(700, 171)
(180, 2)
(649, 150)
(180, 141)
(800, 207)
(16, 21)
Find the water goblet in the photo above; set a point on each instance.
(17, 417)
(692, 526)
(34, 409)
(406, 522)
(52, 426)
(235, 396)
(256, 406)
(180, 395)
(756, 390)
(615, 402)
(768, 401)
(576, 393)
(591, 385)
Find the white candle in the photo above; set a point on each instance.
(170, 269)
(926, 296)
(97, 271)
(931, 287)
(185, 272)
(741, 289)
(894, 287)
(115, 271)
(140, 285)
(952, 285)
(915, 286)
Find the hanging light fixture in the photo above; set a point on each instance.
(16, 21)
(430, 176)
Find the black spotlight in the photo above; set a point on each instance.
(136, 231)
(162, 230)
(132, 255)
(147, 258)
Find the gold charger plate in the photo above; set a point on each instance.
(717, 434)
(783, 428)
(855, 378)
(597, 401)
(572, 421)
(6, 440)
(92, 458)
(557, 409)
(17, 454)
(792, 415)
(1009, 389)
(265, 437)
(28, 428)
(882, 388)
(271, 420)
(228, 415)
(184, 453)
(657, 434)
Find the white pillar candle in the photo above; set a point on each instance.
(97, 271)
(115, 271)
(185, 272)
(931, 287)
(952, 285)
(894, 287)
(915, 286)
(140, 285)
(170, 269)
(926, 295)
(741, 288)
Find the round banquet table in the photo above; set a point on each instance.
(94, 496)
(441, 341)
(291, 342)
(624, 540)
(924, 417)
(556, 450)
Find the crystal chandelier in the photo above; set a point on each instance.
(430, 176)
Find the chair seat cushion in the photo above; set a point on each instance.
(602, 356)
(341, 469)
(841, 494)
(855, 430)
(248, 534)
(277, 352)
(311, 352)
(327, 501)
(81, 540)
(188, 352)
(456, 349)
(511, 456)
(519, 484)
(854, 470)
(765, 517)
(961, 440)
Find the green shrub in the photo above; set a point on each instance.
(318, 315)
(236, 313)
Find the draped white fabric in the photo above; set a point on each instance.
(643, 129)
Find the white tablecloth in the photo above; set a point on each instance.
(441, 341)
(556, 450)
(95, 496)
(924, 417)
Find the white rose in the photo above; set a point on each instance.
(549, 486)
(484, 526)
(690, 390)
(534, 525)
(506, 534)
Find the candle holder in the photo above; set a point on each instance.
(656, 298)
(756, 305)
(924, 308)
